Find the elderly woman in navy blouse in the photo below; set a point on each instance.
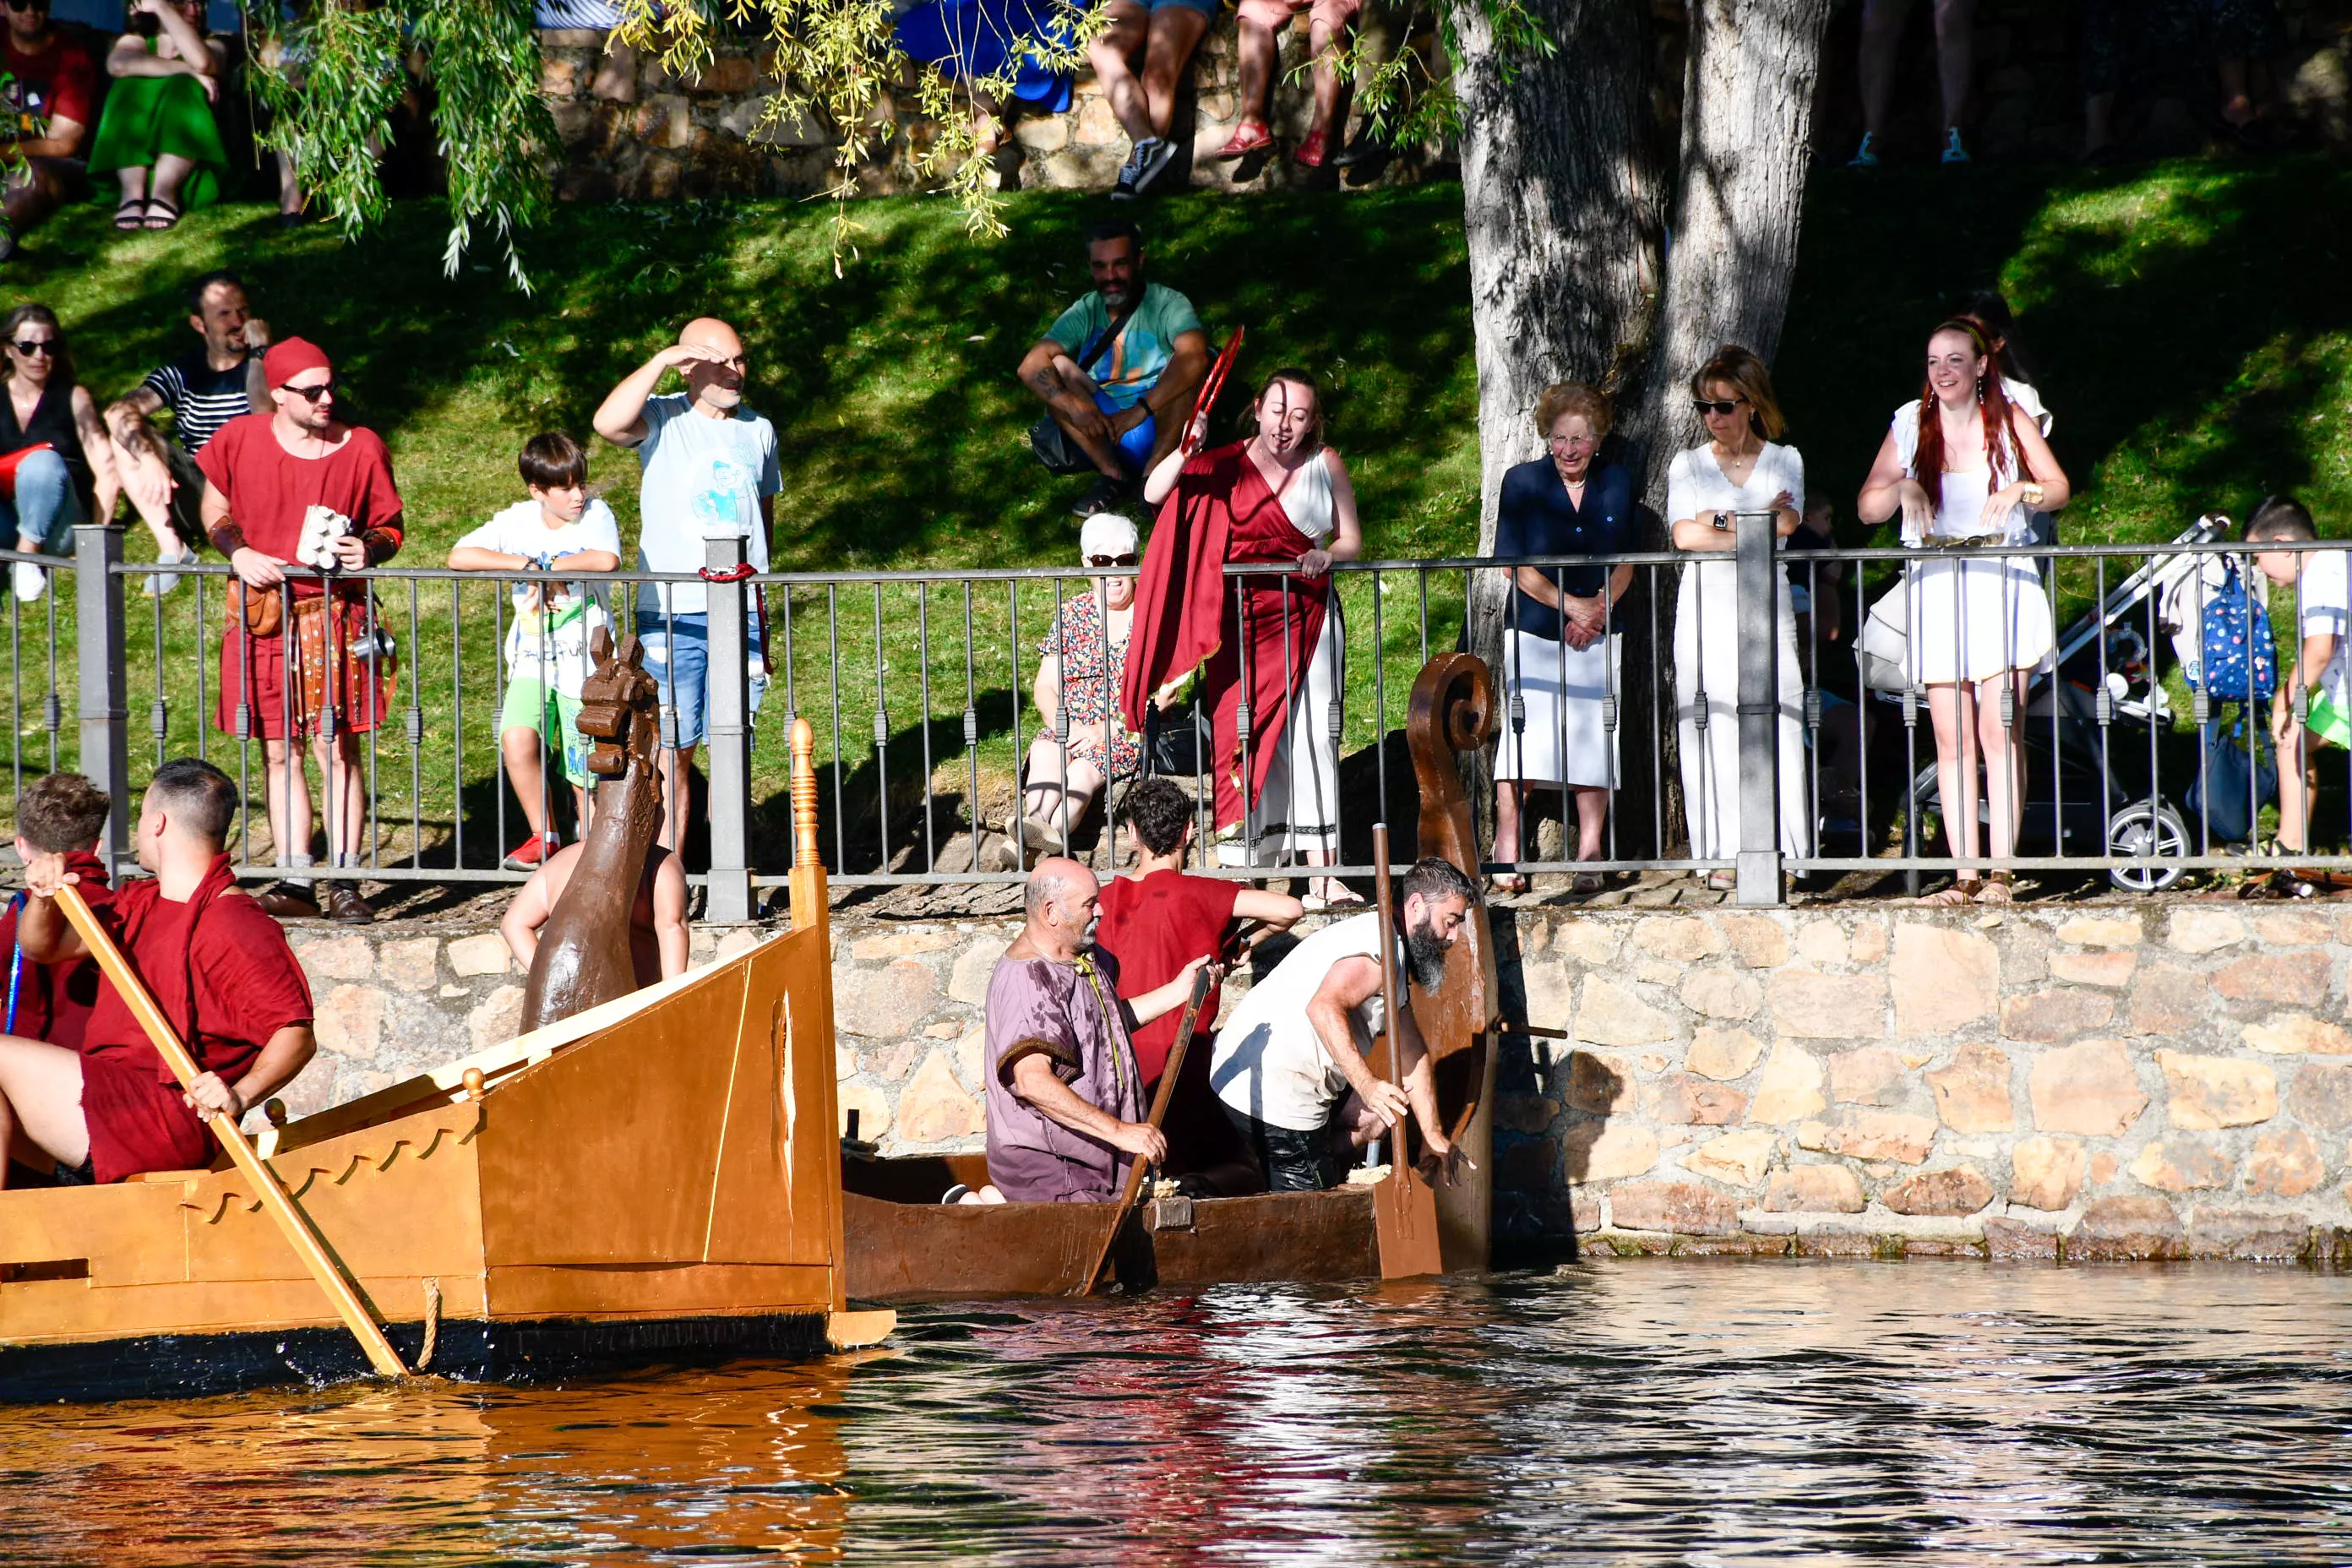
(1559, 646)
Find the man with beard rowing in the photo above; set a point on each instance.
(1290, 1065)
(1066, 1112)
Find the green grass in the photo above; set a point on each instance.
(2194, 338)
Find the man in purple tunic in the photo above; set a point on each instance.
(1065, 1101)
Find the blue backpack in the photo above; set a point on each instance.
(2240, 659)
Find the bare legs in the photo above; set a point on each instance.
(1882, 40)
(524, 751)
(1969, 727)
(1145, 105)
(1591, 819)
(40, 1105)
(288, 786)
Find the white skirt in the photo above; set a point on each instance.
(1564, 693)
(1706, 657)
(1298, 810)
(1972, 620)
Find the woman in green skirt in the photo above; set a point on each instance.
(157, 132)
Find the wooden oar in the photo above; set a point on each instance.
(291, 1220)
(1202, 981)
(1391, 1020)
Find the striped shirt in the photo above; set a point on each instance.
(201, 399)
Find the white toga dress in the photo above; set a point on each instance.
(1970, 620)
(1299, 808)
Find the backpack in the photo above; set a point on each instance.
(2239, 777)
(2240, 657)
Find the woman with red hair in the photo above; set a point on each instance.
(1965, 466)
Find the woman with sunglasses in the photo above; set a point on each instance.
(1268, 645)
(156, 132)
(1964, 465)
(1742, 468)
(1079, 664)
(55, 468)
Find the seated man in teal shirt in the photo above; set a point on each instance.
(1117, 371)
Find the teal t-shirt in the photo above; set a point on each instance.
(1133, 364)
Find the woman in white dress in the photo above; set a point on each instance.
(1965, 464)
(1288, 498)
(1742, 468)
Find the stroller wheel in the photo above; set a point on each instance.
(2138, 829)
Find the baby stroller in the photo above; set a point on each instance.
(2091, 727)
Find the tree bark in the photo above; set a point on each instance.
(1747, 131)
(1564, 204)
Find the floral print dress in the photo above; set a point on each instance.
(1089, 691)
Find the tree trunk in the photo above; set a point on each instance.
(1563, 204)
(1747, 131)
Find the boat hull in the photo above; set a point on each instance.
(654, 1176)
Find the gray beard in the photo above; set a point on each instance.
(1424, 952)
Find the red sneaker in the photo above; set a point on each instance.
(1249, 136)
(1314, 150)
(529, 854)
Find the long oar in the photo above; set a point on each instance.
(291, 1220)
(1392, 1020)
(1128, 1194)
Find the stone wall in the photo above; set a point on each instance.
(631, 129)
(2154, 1080)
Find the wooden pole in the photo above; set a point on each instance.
(1202, 981)
(296, 1225)
(1384, 899)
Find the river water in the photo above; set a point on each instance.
(1619, 1413)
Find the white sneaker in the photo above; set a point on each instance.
(31, 581)
(162, 582)
(1953, 151)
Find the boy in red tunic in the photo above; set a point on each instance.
(62, 813)
(265, 474)
(1155, 920)
(219, 967)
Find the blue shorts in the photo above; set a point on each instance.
(1137, 444)
(1206, 8)
(684, 683)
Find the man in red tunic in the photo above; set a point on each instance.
(63, 814)
(1155, 922)
(267, 478)
(217, 966)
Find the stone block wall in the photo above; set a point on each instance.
(2158, 1081)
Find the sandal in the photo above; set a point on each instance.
(157, 207)
(1963, 890)
(1314, 151)
(1506, 883)
(1998, 888)
(129, 215)
(1337, 895)
(1586, 882)
(1250, 136)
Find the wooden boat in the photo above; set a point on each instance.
(653, 1179)
(905, 1244)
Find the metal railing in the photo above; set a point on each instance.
(918, 685)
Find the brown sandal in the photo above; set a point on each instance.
(1962, 890)
(1998, 888)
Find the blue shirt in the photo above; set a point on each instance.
(1536, 518)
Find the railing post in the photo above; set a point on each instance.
(1759, 868)
(104, 701)
(727, 720)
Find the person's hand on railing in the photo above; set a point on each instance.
(1314, 563)
(2004, 500)
(257, 569)
(1918, 508)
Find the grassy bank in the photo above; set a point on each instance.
(2194, 342)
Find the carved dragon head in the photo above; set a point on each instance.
(620, 707)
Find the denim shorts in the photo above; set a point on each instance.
(684, 683)
(1208, 8)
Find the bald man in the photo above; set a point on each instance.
(711, 469)
(1066, 1112)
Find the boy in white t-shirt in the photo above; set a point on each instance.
(548, 637)
(2322, 582)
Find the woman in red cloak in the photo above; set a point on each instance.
(1267, 648)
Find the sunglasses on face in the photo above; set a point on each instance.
(312, 394)
(1110, 560)
(1710, 406)
(28, 4)
(29, 347)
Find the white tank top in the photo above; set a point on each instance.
(1960, 501)
(1306, 498)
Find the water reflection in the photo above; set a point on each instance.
(1624, 1413)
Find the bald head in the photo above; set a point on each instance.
(1061, 901)
(714, 377)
